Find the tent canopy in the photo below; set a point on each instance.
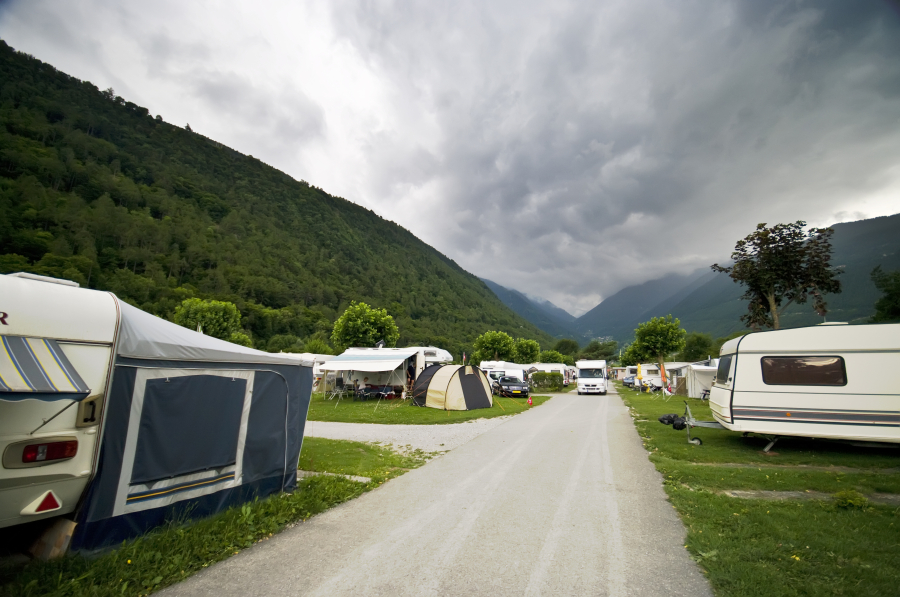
(452, 387)
(144, 336)
(371, 360)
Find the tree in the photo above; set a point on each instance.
(526, 351)
(658, 338)
(887, 308)
(697, 347)
(631, 356)
(566, 346)
(551, 356)
(361, 325)
(219, 319)
(494, 346)
(599, 351)
(780, 266)
(317, 346)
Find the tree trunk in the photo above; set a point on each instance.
(773, 309)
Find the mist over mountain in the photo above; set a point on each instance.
(542, 313)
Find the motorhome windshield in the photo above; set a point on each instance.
(590, 373)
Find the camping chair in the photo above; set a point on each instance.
(338, 390)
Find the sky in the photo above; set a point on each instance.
(566, 149)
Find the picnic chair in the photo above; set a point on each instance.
(338, 390)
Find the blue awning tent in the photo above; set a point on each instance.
(193, 425)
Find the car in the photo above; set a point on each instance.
(628, 381)
(510, 386)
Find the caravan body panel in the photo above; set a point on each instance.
(82, 324)
(811, 382)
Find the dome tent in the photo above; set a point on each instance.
(452, 387)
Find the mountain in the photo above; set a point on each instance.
(618, 315)
(95, 189)
(708, 302)
(542, 313)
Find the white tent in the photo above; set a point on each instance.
(383, 366)
(700, 377)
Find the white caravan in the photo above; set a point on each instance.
(552, 368)
(832, 381)
(497, 369)
(591, 377)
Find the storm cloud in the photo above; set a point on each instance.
(565, 149)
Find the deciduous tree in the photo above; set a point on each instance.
(526, 351)
(361, 325)
(494, 346)
(780, 266)
(551, 356)
(697, 346)
(219, 319)
(887, 308)
(658, 338)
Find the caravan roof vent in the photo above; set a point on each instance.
(832, 323)
(38, 278)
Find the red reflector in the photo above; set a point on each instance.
(48, 503)
(51, 451)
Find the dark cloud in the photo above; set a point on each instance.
(566, 148)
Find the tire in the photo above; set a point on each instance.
(603, 393)
(579, 393)
(696, 441)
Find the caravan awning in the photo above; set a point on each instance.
(370, 360)
(36, 368)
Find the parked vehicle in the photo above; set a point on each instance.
(628, 381)
(122, 421)
(510, 387)
(591, 377)
(813, 382)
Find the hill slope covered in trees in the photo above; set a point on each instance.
(95, 189)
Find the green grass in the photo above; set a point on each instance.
(172, 553)
(755, 547)
(400, 412)
(357, 458)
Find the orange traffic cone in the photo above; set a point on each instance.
(529, 401)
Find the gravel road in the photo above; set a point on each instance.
(430, 438)
(559, 500)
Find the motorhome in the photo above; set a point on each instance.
(120, 421)
(826, 381)
(591, 377)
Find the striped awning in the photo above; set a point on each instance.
(37, 368)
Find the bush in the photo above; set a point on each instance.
(850, 500)
(547, 381)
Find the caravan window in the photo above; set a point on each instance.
(804, 371)
(724, 368)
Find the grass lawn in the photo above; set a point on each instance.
(168, 555)
(401, 412)
(357, 458)
(767, 547)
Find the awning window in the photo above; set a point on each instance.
(39, 367)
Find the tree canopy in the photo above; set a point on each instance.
(361, 325)
(887, 308)
(552, 356)
(566, 346)
(697, 347)
(658, 338)
(494, 346)
(782, 265)
(219, 319)
(526, 351)
(599, 351)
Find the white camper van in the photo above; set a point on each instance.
(591, 377)
(497, 369)
(832, 381)
(552, 368)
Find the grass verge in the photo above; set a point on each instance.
(754, 547)
(172, 553)
(401, 412)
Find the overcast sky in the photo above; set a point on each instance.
(565, 149)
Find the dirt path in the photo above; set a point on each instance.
(560, 500)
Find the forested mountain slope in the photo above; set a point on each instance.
(95, 189)
(544, 316)
(711, 302)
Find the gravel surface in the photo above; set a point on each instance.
(429, 438)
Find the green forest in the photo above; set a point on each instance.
(95, 189)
